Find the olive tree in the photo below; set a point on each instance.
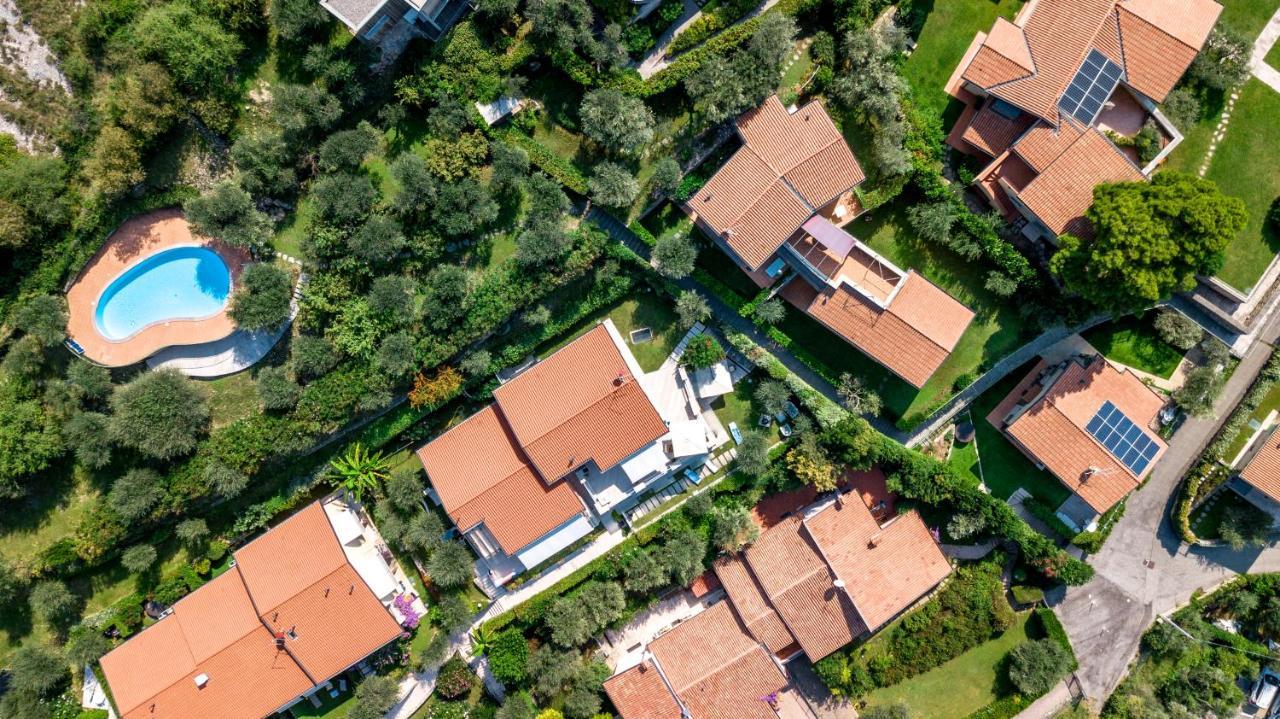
(263, 298)
(620, 123)
(134, 493)
(162, 414)
(226, 212)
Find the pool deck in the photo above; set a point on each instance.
(138, 238)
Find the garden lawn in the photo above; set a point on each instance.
(965, 460)
(948, 30)
(961, 686)
(1269, 403)
(330, 708)
(642, 310)
(1247, 17)
(1132, 341)
(556, 127)
(51, 512)
(1004, 467)
(1244, 167)
(232, 397)
(737, 407)
(295, 227)
(799, 65)
(1273, 57)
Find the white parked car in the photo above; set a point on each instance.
(1263, 693)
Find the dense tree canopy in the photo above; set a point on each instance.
(622, 124)
(262, 299)
(227, 213)
(1151, 240)
(161, 414)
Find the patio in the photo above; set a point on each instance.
(368, 553)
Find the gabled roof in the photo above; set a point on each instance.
(753, 606)
(1263, 469)
(1052, 427)
(293, 578)
(715, 668)
(504, 465)
(1031, 64)
(994, 133)
(790, 164)
(912, 337)
(1063, 192)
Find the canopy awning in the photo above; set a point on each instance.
(689, 438)
(836, 240)
(713, 381)
(554, 541)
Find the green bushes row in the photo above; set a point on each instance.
(1045, 514)
(827, 413)
(549, 162)
(715, 17)
(1053, 629)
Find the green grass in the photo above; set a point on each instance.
(737, 407)
(1247, 17)
(1269, 403)
(796, 71)
(965, 460)
(294, 228)
(232, 397)
(961, 686)
(643, 310)
(558, 123)
(1206, 522)
(329, 708)
(947, 32)
(1004, 467)
(1244, 167)
(1132, 341)
(1273, 57)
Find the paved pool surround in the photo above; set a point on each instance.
(133, 242)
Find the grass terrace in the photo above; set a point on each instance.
(948, 29)
(1269, 404)
(963, 685)
(739, 407)
(1132, 341)
(645, 309)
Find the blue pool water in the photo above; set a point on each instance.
(181, 283)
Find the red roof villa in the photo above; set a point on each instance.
(1090, 425)
(777, 208)
(301, 605)
(566, 442)
(1046, 94)
(808, 586)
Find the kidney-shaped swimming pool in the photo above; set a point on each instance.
(182, 283)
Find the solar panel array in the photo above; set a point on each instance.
(1123, 439)
(1089, 89)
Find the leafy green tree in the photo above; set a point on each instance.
(226, 481)
(343, 198)
(85, 646)
(856, 396)
(161, 413)
(396, 355)
(44, 318)
(1245, 527)
(542, 242)
(732, 528)
(546, 200)
(612, 185)
(1199, 390)
(620, 123)
(196, 49)
(770, 312)
(138, 558)
(498, 12)
(667, 175)
(134, 494)
(683, 555)
(301, 110)
(25, 358)
(1035, 666)
(1151, 240)
(142, 101)
(445, 293)
(886, 711)
(296, 20)
(392, 297)
(674, 256)
(455, 613)
(89, 433)
(378, 240)
(192, 532)
(702, 351)
(33, 193)
(374, 697)
(262, 299)
(311, 356)
(94, 382)
(264, 164)
(114, 165)
(37, 670)
(30, 438)
(1223, 62)
(424, 532)
(404, 488)
(416, 186)
(643, 573)
(226, 212)
(691, 308)
(360, 471)
(463, 207)
(55, 605)
(875, 88)
(753, 454)
(476, 364)
(518, 705)
(560, 26)
(346, 150)
(450, 565)
(510, 165)
(276, 390)
(1177, 329)
(551, 670)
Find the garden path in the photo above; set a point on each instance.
(657, 60)
(1257, 61)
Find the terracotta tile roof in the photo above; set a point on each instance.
(801, 588)
(1044, 143)
(789, 166)
(1263, 469)
(579, 404)
(884, 570)
(640, 693)
(912, 338)
(994, 133)
(1062, 194)
(1052, 429)
(1154, 40)
(716, 668)
(762, 621)
(503, 465)
(221, 630)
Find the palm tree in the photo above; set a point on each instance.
(481, 640)
(360, 470)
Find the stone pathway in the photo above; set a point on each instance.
(1220, 131)
(1257, 61)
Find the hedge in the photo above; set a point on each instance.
(827, 413)
(1010, 706)
(1054, 630)
(544, 158)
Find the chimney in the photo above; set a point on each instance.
(620, 379)
(838, 584)
(873, 542)
(201, 680)
(279, 641)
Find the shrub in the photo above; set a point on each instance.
(1024, 595)
(732, 528)
(276, 390)
(455, 678)
(1035, 666)
(435, 391)
(53, 603)
(226, 212)
(161, 414)
(702, 351)
(450, 565)
(36, 670)
(374, 697)
(509, 657)
(1177, 329)
(674, 256)
(134, 494)
(139, 558)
